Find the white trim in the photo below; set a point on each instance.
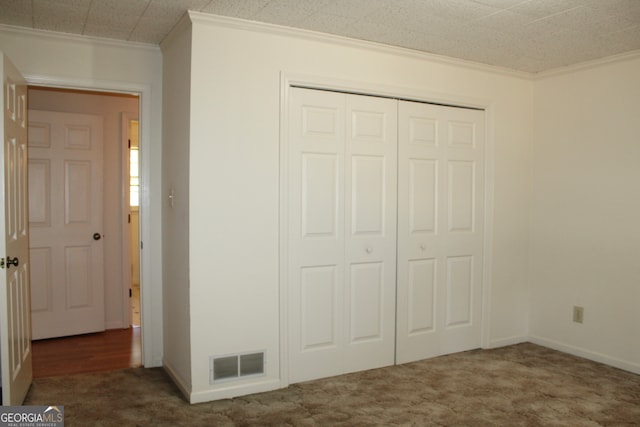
(125, 118)
(75, 38)
(504, 342)
(184, 388)
(144, 91)
(487, 238)
(288, 80)
(628, 56)
(234, 391)
(283, 235)
(587, 354)
(254, 26)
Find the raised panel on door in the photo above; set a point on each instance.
(77, 195)
(315, 220)
(440, 205)
(366, 316)
(370, 230)
(422, 296)
(65, 184)
(41, 275)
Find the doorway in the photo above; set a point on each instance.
(112, 107)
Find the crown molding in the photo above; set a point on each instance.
(243, 24)
(587, 65)
(76, 38)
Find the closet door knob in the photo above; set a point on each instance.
(369, 249)
(423, 247)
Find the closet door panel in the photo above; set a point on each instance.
(440, 206)
(370, 230)
(316, 265)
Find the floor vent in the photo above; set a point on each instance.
(226, 368)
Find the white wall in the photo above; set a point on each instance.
(234, 178)
(109, 107)
(175, 219)
(585, 237)
(47, 58)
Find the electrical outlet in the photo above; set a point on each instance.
(578, 314)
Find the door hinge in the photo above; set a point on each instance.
(130, 294)
(129, 218)
(129, 143)
(141, 246)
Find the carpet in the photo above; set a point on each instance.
(519, 385)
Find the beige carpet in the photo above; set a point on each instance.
(520, 385)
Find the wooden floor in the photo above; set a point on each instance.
(104, 351)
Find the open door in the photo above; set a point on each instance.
(15, 297)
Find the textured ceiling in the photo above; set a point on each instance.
(524, 35)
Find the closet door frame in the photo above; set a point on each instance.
(289, 80)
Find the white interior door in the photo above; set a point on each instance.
(341, 217)
(15, 328)
(65, 216)
(440, 230)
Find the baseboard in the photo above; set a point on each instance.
(503, 342)
(182, 386)
(115, 325)
(587, 354)
(229, 392)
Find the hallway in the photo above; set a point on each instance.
(103, 351)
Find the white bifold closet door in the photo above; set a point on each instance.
(342, 184)
(440, 230)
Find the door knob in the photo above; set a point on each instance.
(13, 262)
(96, 236)
(369, 249)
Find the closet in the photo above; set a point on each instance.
(384, 231)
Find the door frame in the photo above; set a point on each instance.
(143, 91)
(125, 118)
(288, 80)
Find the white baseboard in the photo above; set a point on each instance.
(230, 391)
(503, 342)
(587, 354)
(184, 388)
(115, 325)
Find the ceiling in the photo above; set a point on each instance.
(523, 35)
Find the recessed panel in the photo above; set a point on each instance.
(16, 298)
(423, 131)
(422, 276)
(12, 189)
(23, 190)
(367, 195)
(39, 135)
(41, 294)
(459, 290)
(318, 288)
(368, 126)
(461, 195)
(22, 110)
(25, 319)
(317, 121)
(39, 193)
(366, 282)
(461, 134)
(77, 179)
(78, 276)
(10, 103)
(77, 137)
(319, 195)
(423, 196)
